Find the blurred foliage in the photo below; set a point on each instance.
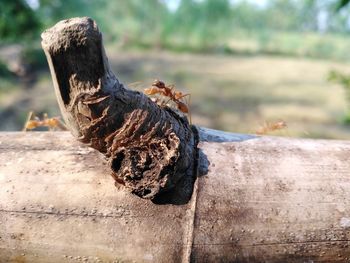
(342, 3)
(51, 11)
(34, 57)
(302, 28)
(7, 79)
(4, 71)
(344, 81)
(280, 27)
(341, 78)
(196, 26)
(17, 20)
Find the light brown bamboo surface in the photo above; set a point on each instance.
(256, 199)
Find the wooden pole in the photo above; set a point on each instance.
(257, 199)
(58, 203)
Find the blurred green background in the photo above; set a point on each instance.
(246, 63)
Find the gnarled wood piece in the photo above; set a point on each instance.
(150, 149)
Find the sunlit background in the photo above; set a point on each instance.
(247, 64)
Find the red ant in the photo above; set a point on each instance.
(159, 87)
(51, 123)
(270, 127)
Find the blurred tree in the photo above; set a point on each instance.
(307, 15)
(342, 3)
(282, 15)
(246, 15)
(344, 80)
(51, 11)
(187, 16)
(216, 22)
(17, 20)
(202, 25)
(181, 27)
(205, 22)
(132, 20)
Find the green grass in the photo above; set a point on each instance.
(307, 44)
(232, 93)
(329, 46)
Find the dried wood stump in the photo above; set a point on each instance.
(150, 148)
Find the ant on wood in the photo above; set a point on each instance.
(270, 127)
(35, 122)
(177, 97)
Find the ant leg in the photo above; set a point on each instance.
(61, 125)
(189, 108)
(188, 103)
(29, 117)
(184, 95)
(134, 84)
(165, 103)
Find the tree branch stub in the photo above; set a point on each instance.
(150, 149)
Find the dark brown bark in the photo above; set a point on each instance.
(150, 148)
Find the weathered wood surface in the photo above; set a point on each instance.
(257, 199)
(58, 200)
(150, 148)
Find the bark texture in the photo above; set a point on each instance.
(150, 149)
(257, 199)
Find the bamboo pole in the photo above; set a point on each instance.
(257, 199)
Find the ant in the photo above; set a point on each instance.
(33, 122)
(159, 87)
(270, 127)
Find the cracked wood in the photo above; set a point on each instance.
(151, 149)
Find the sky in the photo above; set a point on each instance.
(261, 3)
(174, 4)
(33, 3)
